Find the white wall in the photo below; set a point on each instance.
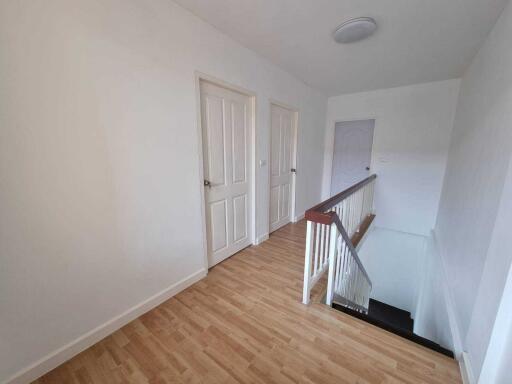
(405, 272)
(411, 140)
(431, 317)
(490, 294)
(496, 366)
(100, 193)
(504, 375)
(479, 156)
(392, 259)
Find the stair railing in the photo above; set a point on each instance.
(333, 227)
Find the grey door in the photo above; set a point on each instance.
(352, 153)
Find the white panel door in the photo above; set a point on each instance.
(282, 160)
(352, 153)
(226, 118)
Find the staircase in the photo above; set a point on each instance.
(335, 229)
(331, 227)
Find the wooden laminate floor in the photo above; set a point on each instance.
(244, 323)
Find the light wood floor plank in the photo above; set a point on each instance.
(244, 323)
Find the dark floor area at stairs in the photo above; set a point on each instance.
(392, 315)
(393, 320)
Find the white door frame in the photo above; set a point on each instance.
(199, 77)
(329, 146)
(295, 113)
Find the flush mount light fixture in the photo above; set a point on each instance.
(355, 30)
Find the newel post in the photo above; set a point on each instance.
(307, 263)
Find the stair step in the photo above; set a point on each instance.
(389, 314)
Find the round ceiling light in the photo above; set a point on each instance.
(355, 30)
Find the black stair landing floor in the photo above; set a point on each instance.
(393, 320)
(392, 315)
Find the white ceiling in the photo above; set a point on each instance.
(417, 40)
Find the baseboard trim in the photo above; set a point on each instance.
(465, 369)
(61, 355)
(261, 239)
(298, 218)
(449, 302)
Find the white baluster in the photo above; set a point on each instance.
(322, 243)
(339, 271)
(346, 270)
(365, 200)
(317, 245)
(332, 257)
(337, 265)
(326, 247)
(361, 208)
(350, 214)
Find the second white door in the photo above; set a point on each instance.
(282, 164)
(226, 120)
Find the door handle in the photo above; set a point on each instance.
(367, 168)
(207, 183)
(293, 170)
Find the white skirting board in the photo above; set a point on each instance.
(462, 357)
(298, 218)
(260, 239)
(61, 355)
(465, 369)
(449, 302)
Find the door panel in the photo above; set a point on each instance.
(352, 153)
(239, 134)
(226, 118)
(282, 160)
(274, 205)
(285, 200)
(218, 225)
(215, 140)
(275, 154)
(286, 143)
(240, 217)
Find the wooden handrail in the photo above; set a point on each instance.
(318, 213)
